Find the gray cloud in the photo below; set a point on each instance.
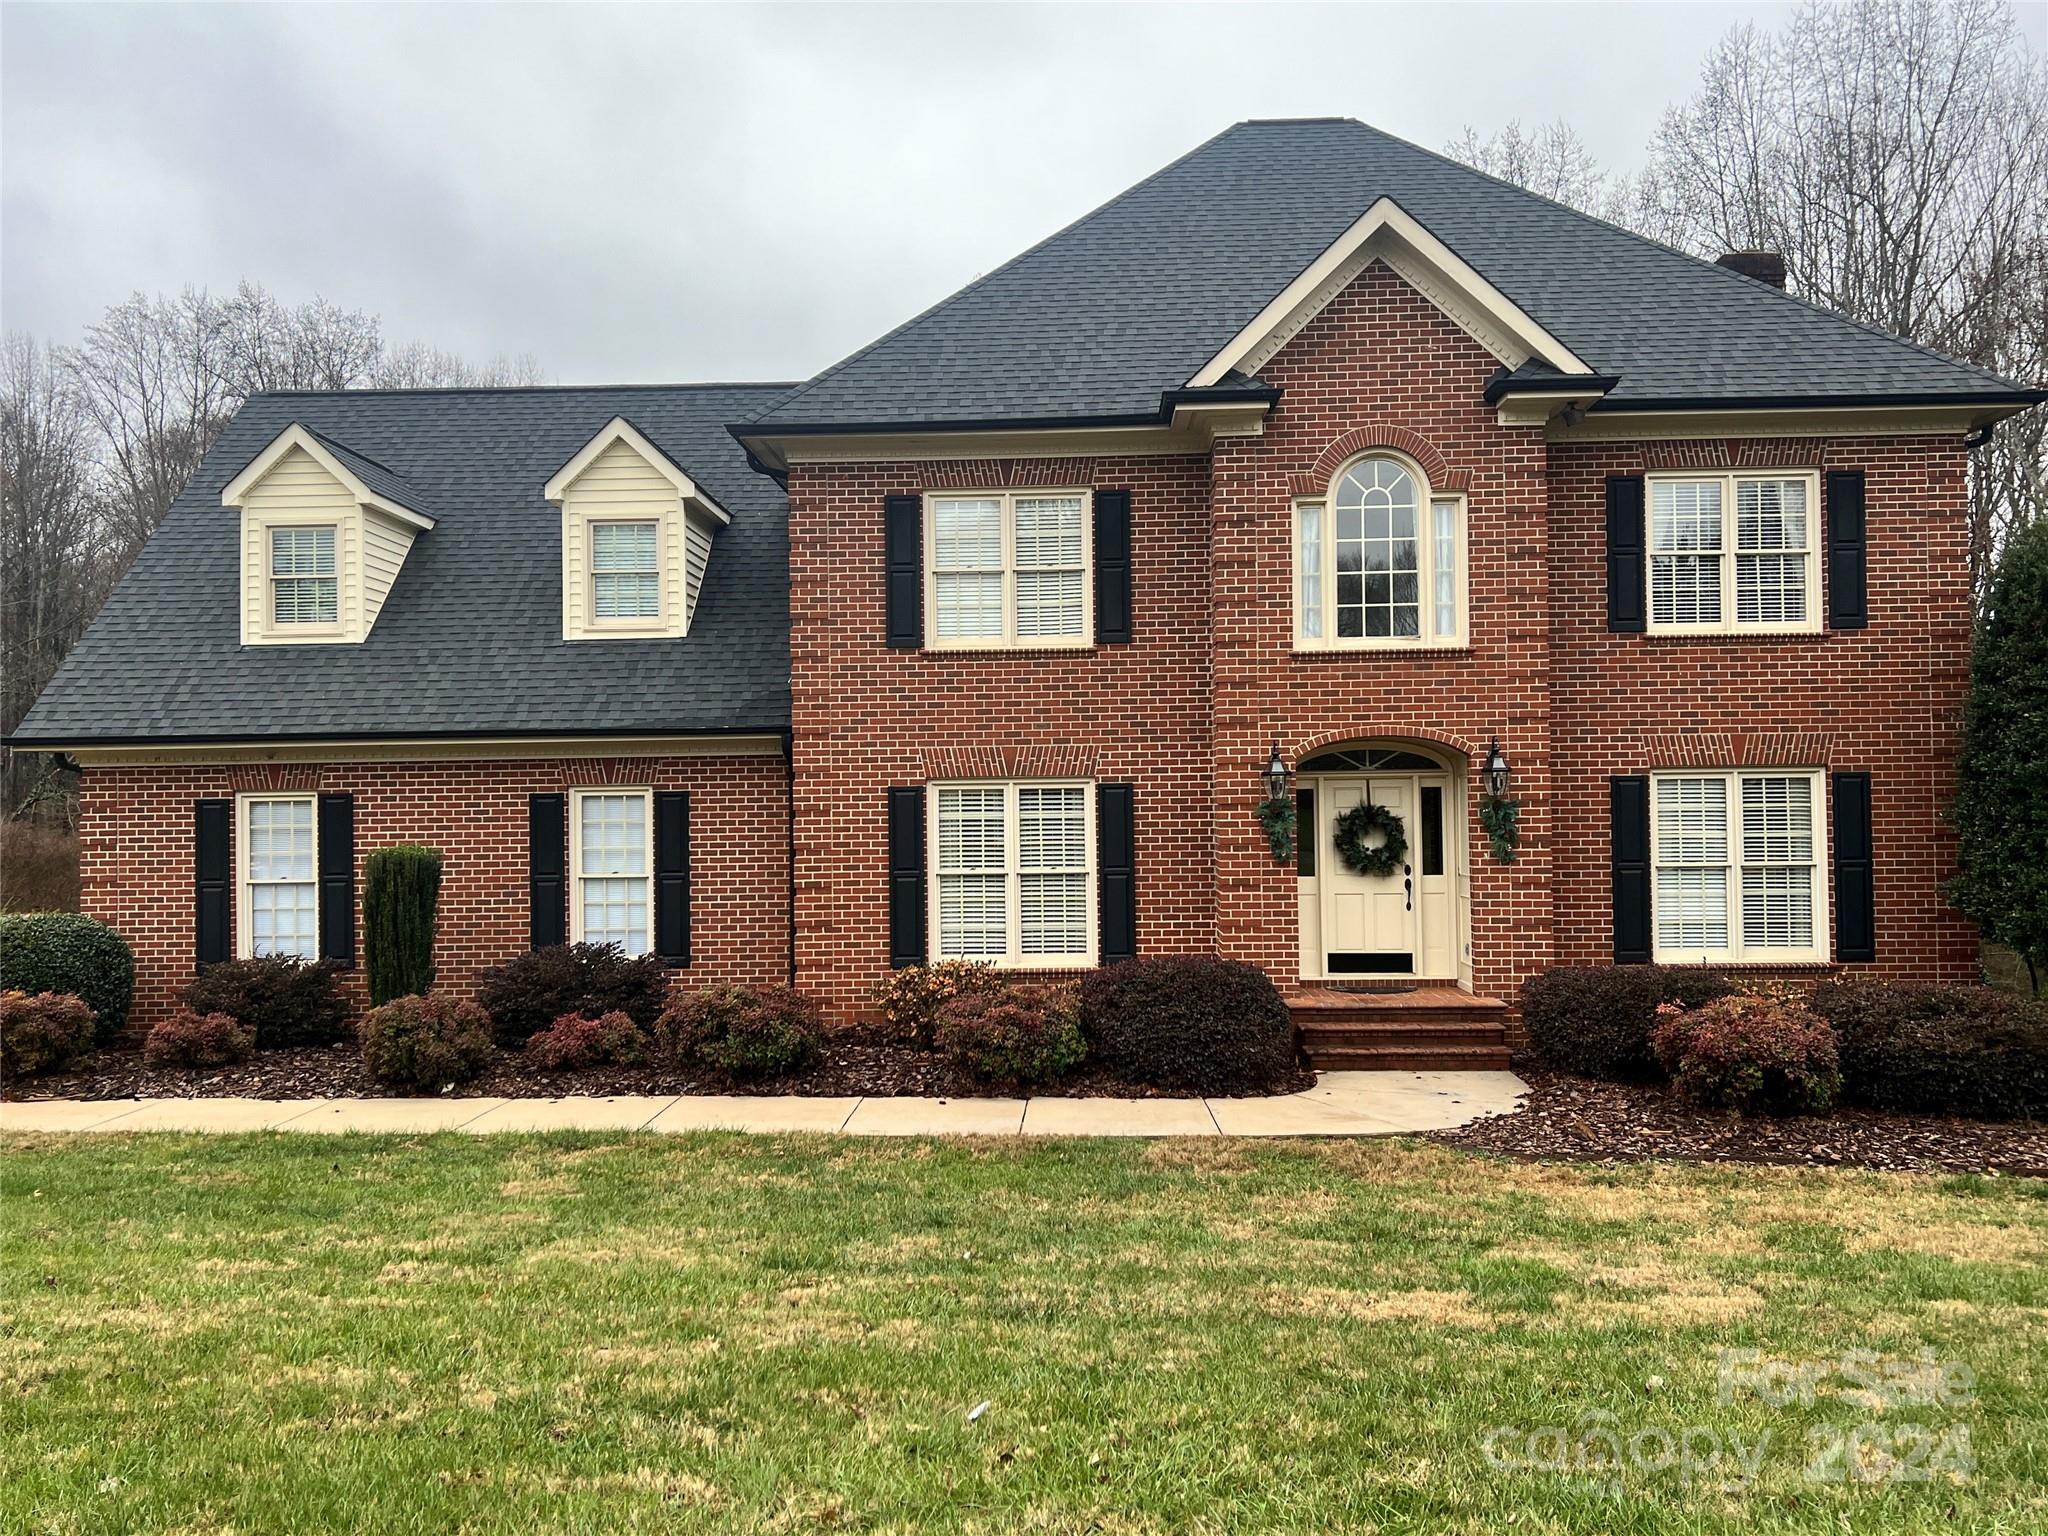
(642, 193)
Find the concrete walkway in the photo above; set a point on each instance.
(1340, 1104)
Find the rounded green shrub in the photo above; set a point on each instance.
(741, 1031)
(425, 1042)
(42, 1032)
(1023, 1035)
(1940, 1050)
(529, 992)
(1197, 1023)
(286, 1000)
(69, 952)
(188, 1039)
(1595, 1020)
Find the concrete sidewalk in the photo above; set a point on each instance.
(1340, 1104)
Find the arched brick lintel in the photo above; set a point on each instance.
(1364, 440)
(1456, 746)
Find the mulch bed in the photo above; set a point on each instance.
(847, 1065)
(1581, 1120)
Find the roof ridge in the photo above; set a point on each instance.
(1671, 250)
(351, 450)
(994, 272)
(513, 389)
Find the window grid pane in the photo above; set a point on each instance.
(283, 900)
(1011, 870)
(1378, 557)
(1691, 896)
(1777, 863)
(1310, 522)
(967, 566)
(1685, 552)
(1444, 514)
(614, 891)
(303, 585)
(625, 574)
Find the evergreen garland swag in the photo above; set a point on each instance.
(1354, 826)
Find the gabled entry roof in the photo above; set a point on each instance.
(1147, 295)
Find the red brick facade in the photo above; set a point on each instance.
(137, 854)
(1189, 709)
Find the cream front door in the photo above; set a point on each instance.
(1368, 924)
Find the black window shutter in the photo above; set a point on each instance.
(547, 859)
(1112, 567)
(1855, 889)
(338, 879)
(1847, 563)
(1116, 860)
(903, 554)
(1628, 806)
(1626, 610)
(212, 824)
(1304, 832)
(906, 875)
(672, 876)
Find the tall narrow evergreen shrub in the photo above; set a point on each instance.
(2001, 813)
(401, 889)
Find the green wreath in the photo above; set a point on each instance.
(1363, 858)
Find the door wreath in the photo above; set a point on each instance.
(1375, 861)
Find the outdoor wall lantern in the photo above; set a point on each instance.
(1496, 770)
(1276, 811)
(1276, 775)
(1500, 816)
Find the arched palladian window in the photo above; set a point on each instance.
(1380, 561)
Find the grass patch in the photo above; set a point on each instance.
(592, 1332)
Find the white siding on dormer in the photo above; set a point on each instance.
(698, 531)
(385, 544)
(621, 485)
(369, 549)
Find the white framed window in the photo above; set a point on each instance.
(1007, 568)
(277, 900)
(305, 588)
(1012, 873)
(1380, 562)
(1740, 862)
(1734, 553)
(625, 571)
(611, 858)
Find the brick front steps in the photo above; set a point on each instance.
(1429, 1029)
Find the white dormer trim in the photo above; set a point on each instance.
(295, 436)
(1386, 232)
(620, 430)
(620, 478)
(298, 483)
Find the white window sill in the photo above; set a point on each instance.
(1750, 961)
(1008, 647)
(1383, 647)
(1746, 632)
(1085, 962)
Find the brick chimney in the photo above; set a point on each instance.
(1765, 266)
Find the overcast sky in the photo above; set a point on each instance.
(655, 193)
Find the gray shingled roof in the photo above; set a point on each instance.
(1132, 300)
(469, 641)
(373, 475)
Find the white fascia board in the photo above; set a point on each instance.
(620, 430)
(1386, 222)
(296, 436)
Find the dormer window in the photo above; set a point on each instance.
(303, 586)
(325, 532)
(636, 538)
(625, 573)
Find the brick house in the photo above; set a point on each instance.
(1314, 453)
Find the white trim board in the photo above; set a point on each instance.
(1387, 232)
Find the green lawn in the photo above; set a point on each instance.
(608, 1332)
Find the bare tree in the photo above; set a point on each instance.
(1896, 153)
(315, 345)
(53, 565)
(1552, 161)
(419, 366)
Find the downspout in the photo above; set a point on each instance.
(789, 823)
(1980, 437)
